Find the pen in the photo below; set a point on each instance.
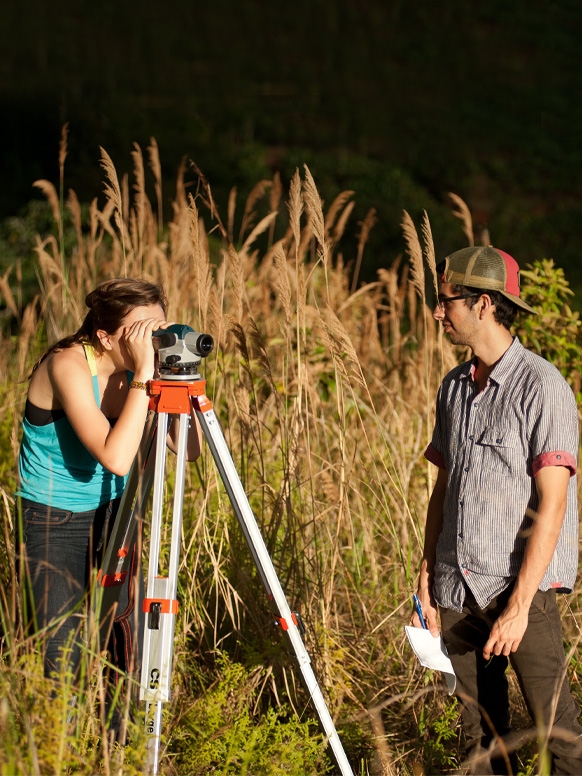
(418, 609)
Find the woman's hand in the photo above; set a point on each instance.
(136, 339)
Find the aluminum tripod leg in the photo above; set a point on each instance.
(161, 604)
(117, 557)
(284, 616)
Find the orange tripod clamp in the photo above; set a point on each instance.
(173, 396)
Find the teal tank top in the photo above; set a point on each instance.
(56, 469)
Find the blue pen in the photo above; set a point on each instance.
(418, 609)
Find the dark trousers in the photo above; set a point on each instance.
(482, 687)
(60, 550)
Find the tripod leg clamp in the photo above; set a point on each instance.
(156, 606)
(111, 580)
(297, 621)
(167, 605)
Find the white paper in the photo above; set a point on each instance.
(432, 653)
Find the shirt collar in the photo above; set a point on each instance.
(504, 367)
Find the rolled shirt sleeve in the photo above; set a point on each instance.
(554, 435)
(432, 454)
(557, 458)
(439, 439)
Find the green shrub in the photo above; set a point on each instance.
(222, 732)
(555, 332)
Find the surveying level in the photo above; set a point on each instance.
(179, 389)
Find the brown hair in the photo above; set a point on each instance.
(108, 305)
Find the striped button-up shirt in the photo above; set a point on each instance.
(492, 444)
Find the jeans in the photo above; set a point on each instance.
(540, 667)
(60, 551)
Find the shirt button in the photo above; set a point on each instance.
(471, 437)
(466, 469)
(498, 441)
(460, 536)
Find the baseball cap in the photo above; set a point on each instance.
(488, 268)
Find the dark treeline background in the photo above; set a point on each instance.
(399, 101)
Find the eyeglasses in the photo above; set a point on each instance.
(444, 300)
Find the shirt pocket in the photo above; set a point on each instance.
(502, 451)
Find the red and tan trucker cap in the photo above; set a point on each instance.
(487, 268)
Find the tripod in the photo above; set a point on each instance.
(180, 391)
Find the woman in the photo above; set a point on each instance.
(84, 417)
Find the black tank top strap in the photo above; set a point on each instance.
(39, 417)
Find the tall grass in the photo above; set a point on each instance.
(325, 393)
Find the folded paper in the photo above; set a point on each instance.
(432, 653)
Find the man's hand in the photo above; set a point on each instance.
(429, 611)
(507, 632)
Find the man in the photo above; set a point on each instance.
(502, 527)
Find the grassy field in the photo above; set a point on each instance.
(325, 390)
